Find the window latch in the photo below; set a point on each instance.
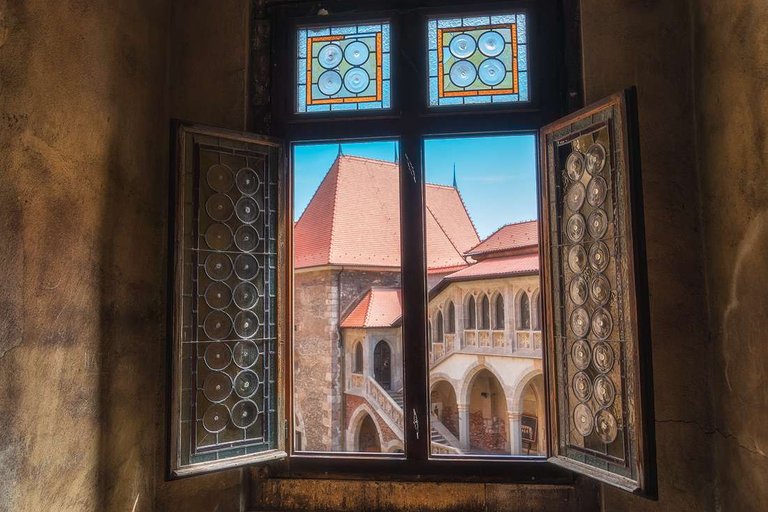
(416, 423)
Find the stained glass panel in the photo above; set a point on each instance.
(344, 67)
(479, 59)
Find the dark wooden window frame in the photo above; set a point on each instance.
(555, 86)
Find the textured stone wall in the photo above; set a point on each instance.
(732, 126)
(83, 187)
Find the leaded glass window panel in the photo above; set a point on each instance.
(478, 59)
(343, 67)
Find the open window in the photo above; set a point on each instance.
(336, 309)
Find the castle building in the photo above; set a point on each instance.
(486, 384)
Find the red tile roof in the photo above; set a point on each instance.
(508, 237)
(354, 219)
(379, 307)
(498, 267)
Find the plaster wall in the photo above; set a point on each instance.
(732, 127)
(83, 186)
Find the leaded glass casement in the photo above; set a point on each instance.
(343, 67)
(225, 357)
(478, 59)
(599, 344)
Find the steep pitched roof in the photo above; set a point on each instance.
(507, 238)
(379, 307)
(354, 219)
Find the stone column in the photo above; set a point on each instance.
(515, 440)
(463, 410)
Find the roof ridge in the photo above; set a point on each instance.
(481, 242)
(369, 159)
(471, 221)
(438, 185)
(443, 230)
(337, 164)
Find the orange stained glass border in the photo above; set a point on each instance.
(442, 93)
(353, 99)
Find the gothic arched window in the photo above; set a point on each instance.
(451, 327)
(498, 320)
(525, 312)
(439, 327)
(485, 313)
(358, 367)
(471, 312)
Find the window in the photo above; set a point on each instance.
(499, 315)
(451, 328)
(360, 259)
(471, 311)
(525, 312)
(358, 368)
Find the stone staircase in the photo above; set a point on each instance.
(435, 436)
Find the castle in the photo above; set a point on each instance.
(486, 383)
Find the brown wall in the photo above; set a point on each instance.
(732, 123)
(83, 184)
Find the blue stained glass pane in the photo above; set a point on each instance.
(432, 34)
(343, 30)
(506, 19)
(329, 54)
(522, 57)
(470, 57)
(521, 29)
(314, 32)
(476, 21)
(302, 43)
(524, 86)
(449, 23)
(385, 38)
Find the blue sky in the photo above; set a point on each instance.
(496, 175)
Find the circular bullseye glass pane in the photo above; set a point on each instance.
(330, 55)
(217, 386)
(246, 384)
(218, 237)
(462, 46)
(246, 296)
(217, 325)
(356, 53)
(463, 73)
(217, 356)
(581, 354)
(575, 196)
(580, 322)
(218, 266)
(219, 207)
(219, 178)
(578, 290)
(604, 391)
(603, 357)
(356, 80)
(600, 290)
(602, 323)
(329, 83)
(577, 259)
(597, 190)
(218, 295)
(492, 72)
(246, 238)
(583, 420)
(247, 210)
(574, 165)
(491, 43)
(215, 418)
(245, 354)
(595, 158)
(246, 324)
(246, 267)
(576, 227)
(606, 426)
(248, 182)
(582, 386)
(599, 257)
(244, 413)
(597, 224)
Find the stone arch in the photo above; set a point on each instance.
(469, 375)
(443, 404)
(356, 423)
(487, 414)
(519, 385)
